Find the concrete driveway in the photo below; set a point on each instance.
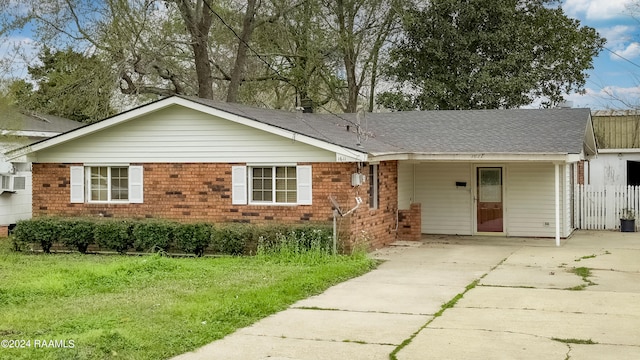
(506, 298)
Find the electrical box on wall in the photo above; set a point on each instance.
(358, 179)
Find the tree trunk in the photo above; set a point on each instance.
(248, 25)
(345, 24)
(198, 20)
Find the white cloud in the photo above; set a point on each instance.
(596, 9)
(608, 97)
(617, 35)
(629, 52)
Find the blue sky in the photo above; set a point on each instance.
(614, 83)
(616, 72)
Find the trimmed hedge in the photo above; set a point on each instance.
(114, 234)
(43, 231)
(77, 233)
(192, 238)
(152, 235)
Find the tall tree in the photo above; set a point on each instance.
(362, 28)
(67, 84)
(460, 54)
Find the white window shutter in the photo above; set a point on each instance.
(304, 182)
(239, 185)
(136, 190)
(77, 184)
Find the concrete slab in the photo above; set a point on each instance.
(467, 344)
(615, 281)
(516, 311)
(600, 328)
(425, 274)
(594, 239)
(249, 347)
(599, 352)
(341, 326)
(533, 276)
(385, 298)
(549, 301)
(613, 259)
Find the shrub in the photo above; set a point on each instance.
(77, 233)
(43, 231)
(231, 239)
(113, 234)
(152, 235)
(192, 238)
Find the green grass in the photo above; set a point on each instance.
(149, 307)
(575, 341)
(584, 273)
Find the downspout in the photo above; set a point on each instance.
(557, 201)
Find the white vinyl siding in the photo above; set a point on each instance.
(530, 199)
(446, 209)
(405, 185)
(178, 134)
(17, 206)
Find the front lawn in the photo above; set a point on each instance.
(73, 306)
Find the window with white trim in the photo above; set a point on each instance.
(373, 186)
(278, 184)
(110, 184)
(273, 184)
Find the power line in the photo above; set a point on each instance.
(621, 57)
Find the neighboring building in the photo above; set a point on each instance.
(618, 135)
(18, 130)
(503, 172)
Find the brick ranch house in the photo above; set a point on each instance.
(501, 172)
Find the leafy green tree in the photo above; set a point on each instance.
(67, 84)
(460, 54)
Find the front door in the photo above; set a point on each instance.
(489, 199)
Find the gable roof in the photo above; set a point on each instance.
(392, 134)
(543, 131)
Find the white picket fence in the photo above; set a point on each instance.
(599, 208)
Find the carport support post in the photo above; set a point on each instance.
(557, 178)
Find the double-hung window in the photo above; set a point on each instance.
(273, 184)
(280, 184)
(110, 184)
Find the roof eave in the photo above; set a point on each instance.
(176, 100)
(478, 157)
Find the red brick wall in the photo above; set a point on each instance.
(202, 192)
(410, 223)
(377, 227)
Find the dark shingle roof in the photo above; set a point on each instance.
(455, 131)
(25, 121)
